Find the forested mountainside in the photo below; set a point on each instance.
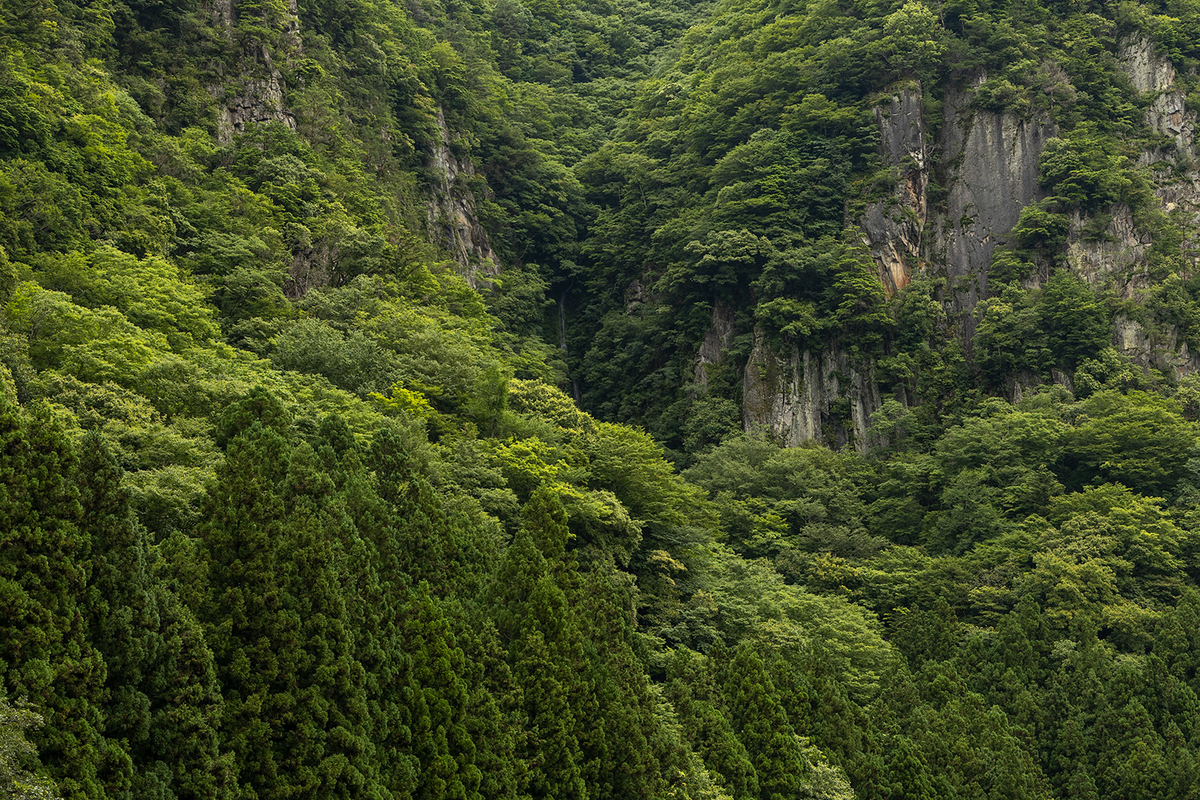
(599, 400)
(814, 213)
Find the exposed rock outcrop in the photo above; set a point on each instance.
(992, 175)
(717, 340)
(989, 171)
(1162, 350)
(256, 92)
(453, 221)
(1110, 255)
(1177, 189)
(797, 395)
(893, 228)
(1151, 73)
(995, 175)
(1147, 72)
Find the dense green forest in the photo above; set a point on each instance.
(618, 399)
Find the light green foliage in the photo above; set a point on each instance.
(15, 750)
(546, 402)
(774, 500)
(150, 292)
(292, 507)
(404, 401)
(913, 41)
(93, 345)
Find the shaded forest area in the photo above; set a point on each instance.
(305, 493)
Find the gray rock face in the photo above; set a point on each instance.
(258, 100)
(893, 228)
(996, 176)
(1169, 116)
(1152, 74)
(793, 396)
(717, 340)
(1121, 247)
(1147, 72)
(797, 395)
(452, 218)
(992, 175)
(257, 95)
(1177, 190)
(1161, 350)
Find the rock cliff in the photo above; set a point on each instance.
(801, 396)
(716, 342)
(255, 92)
(1120, 256)
(452, 218)
(985, 164)
(894, 227)
(993, 174)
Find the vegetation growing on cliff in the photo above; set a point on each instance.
(290, 507)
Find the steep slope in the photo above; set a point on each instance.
(962, 156)
(293, 501)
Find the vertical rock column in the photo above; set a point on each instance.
(255, 91)
(892, 229)
(794, 395)
(1125, 247)
(995, 176)
(452, 217)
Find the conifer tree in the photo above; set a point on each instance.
(123, 616)
(374, 591)
(546, 654)
(183, 747)
(1079, 785)
(1129, 750)
(553, 754)
(295, 706)
(495, 719)
(907, 776)
(1182, 777)
(763, 726)
(519, 571)
(442, 742)
(705, 720)
(1177, 639)
(630, 761)
(45, 652)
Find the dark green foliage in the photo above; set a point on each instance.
(1083, 170)
(1077, 325)
(46, 652)
(707, 724)
(277, 622)
(1138, 440)
(1060, 326)
(542, 639)
(294, 505)
(441, 741)
(163, 700)
(763, 726)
